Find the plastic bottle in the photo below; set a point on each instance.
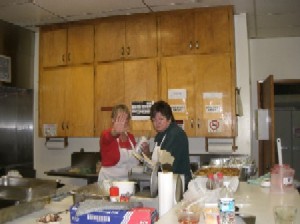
(219, 180)
(114, 194)
(226, 206)
(210, 183)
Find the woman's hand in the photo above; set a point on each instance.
(120, 124)
(146, 149)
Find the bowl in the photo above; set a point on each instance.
(190, 217)
(189, 212)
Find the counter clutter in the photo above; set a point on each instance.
(251, 200)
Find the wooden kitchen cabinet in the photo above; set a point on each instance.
(210, 93)
(67, 46)
(122, 82)
(66, 100)
(196, 31)
(126, 37)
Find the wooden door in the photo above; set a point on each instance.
(267, 147)
(79, 101)
(141, 84)
(222, 29)
(110, 39)
(53, 47)
(141, 36)
(177, 33)
(214, 29)
(215, 103)
(52, 100)
(179, 73)
(109, 91)
(80, 44)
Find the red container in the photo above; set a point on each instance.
(114, 194)
(282, 178)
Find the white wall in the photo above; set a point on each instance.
(243, 140)
(45, 159)
(277, 56)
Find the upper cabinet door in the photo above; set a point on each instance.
(214, 30)
(73, 45)
(126, 37)
(54, 47)
(199, 31)
(80, 44)
(141, 36)
(176, 32)
(109, 39)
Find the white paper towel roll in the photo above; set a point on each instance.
(165, 192)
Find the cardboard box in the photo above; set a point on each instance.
(132, 216)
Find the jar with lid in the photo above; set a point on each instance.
(114, 194)
(210, 183)
(282, 177)
(219, 180)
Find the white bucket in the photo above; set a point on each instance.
(125, 187)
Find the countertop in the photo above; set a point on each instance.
(251, 199)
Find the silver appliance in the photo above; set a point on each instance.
(147, 180)
(16, 131)
(148, 192)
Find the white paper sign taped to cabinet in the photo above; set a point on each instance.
(176, 94)
(177, 99)
(140, 110)
(213, 105)
(49, 130)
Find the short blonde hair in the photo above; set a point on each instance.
(120, 108)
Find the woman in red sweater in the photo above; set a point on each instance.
(116, 145)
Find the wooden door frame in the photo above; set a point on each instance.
(266, 160)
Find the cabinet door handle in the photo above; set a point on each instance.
(69, 57)
(128, 50)
(198, 123)
(197, 44)
(122, 51)
(191, 45)
(192, 123)
(63, 58)
(63, 125)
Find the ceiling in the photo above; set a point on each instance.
(266, 18)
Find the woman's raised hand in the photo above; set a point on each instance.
(120, 124)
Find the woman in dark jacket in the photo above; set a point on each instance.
(172, 138)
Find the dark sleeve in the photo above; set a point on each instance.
(177, 144)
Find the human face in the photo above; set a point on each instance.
(160, 122)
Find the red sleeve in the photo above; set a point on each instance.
(109, 149)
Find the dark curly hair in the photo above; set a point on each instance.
(164, 108)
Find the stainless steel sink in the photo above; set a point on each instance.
(21, 196)
(25, 189)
